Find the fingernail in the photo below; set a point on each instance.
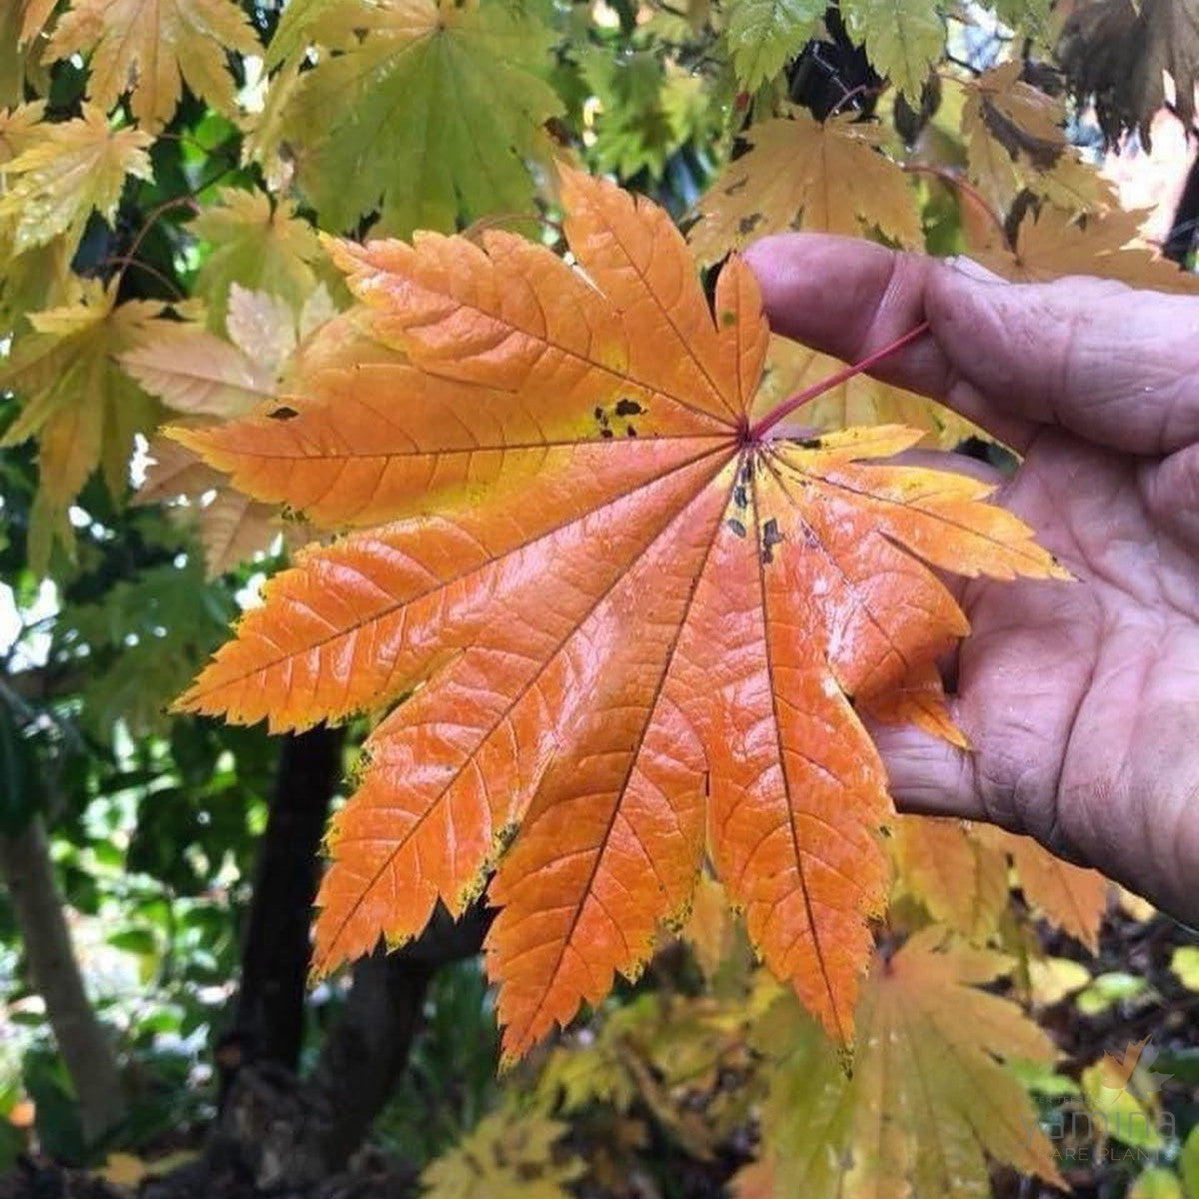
(974, 270)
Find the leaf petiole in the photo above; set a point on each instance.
(780, 412)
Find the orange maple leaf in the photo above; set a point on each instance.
(624, 615)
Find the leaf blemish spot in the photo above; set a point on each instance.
(282, 413)
(771, 536)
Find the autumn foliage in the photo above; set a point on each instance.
(608, 580)
(632, 622)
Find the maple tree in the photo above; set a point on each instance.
(321, 311)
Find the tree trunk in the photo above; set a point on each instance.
(281, 1134)
(364, 1054)
(85, 1047)
(268, 1021)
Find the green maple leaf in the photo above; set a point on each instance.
(77, 402)
(633, 130)
(301, 23)
(429, 115)
(903, 38)
(763, 35)
(150, 632)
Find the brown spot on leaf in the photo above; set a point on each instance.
(771, 536)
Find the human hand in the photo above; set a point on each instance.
(1081, 702)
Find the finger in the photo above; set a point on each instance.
(1172, 491)
(927, 776)
(1111, 364)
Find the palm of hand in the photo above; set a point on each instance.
(1080, 701)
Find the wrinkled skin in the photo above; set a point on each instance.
(1081, 701)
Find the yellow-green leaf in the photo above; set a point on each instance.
(927, 1101)
(1185, 963)
(903, 38)
(509, 1155)
(77, 402)
(258, 244)
(763, 35)
(72, 169)
(150, 48)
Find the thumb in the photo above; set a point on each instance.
(1107, 362)
(927, 776)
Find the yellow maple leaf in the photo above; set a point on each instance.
(150, 48)
(20, 22)
(77, 402)
(1071, 897)
(804, 174)
(1053, 243)
(72, 169)
(927, 1101)
(710, 929)
(509, 1155)
(19, 130)
(1015, 140)
(962, 882)
(31, 280)
(1121, 1093)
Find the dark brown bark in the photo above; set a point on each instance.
(86, 1049)
(277, 1133)
(268, 1020)
(365, 1053)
